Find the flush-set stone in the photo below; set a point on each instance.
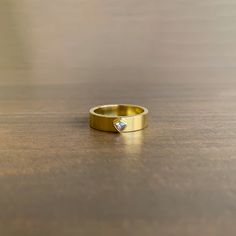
(119, 125)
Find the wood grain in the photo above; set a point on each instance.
(58, 176)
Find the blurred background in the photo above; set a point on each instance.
(110, 33)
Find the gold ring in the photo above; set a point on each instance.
(118, 118)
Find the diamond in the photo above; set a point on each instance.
(119, 125)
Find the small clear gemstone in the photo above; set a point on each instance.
(120, 125)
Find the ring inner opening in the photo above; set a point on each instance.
(119, 110)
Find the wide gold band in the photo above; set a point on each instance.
(118, 118)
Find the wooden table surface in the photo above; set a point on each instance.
(58, 176)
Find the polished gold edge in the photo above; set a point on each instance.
(111, 123)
